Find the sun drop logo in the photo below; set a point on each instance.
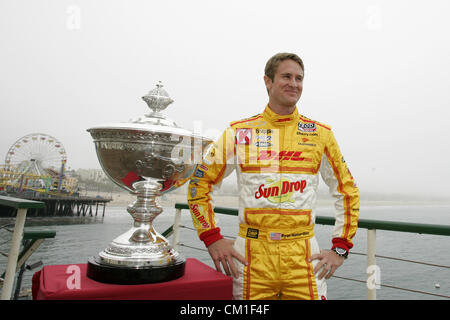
(199, 217)
(280, 191)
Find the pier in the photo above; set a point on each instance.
(61, 206)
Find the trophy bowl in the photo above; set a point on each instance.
(148, 156)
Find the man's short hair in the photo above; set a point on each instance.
(274, 62)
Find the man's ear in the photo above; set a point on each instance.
(268, 83)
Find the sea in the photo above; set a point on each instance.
(78, 238)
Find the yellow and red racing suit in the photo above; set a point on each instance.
(277, 159)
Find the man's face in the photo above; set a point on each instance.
(287, 85)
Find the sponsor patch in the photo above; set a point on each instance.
(304, 142)
(306, 133)
(282, 155)
(194, 181)
(263, 144)
(264, 131)
(275, 236)
(199, 173)
(263, 138)
(307, 127)
(280, 191)
(193, 192)
(243, 136)
(198, 217)
(252, 233)
(307, 144)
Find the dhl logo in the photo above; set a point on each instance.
(280, 191)
(282, 155)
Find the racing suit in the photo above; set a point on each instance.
(277, 159)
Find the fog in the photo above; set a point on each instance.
(377, 72)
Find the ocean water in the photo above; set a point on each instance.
(79, 238)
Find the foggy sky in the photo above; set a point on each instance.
(377, 72)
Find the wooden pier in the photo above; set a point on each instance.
(62, 206)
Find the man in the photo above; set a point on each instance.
(277, 156)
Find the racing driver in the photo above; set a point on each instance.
(277, 155)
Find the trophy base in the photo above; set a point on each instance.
(133, 275)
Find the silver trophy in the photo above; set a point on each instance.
(148, 156)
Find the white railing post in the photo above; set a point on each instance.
(176, 229)
(13, 254)
(372, 270)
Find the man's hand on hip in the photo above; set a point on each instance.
(222, 251)
(329, 261)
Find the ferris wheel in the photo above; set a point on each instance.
(36, 153)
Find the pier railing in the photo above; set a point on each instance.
(371, 225)
(60, 205)
(22, 205)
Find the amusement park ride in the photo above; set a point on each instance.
(36, 164)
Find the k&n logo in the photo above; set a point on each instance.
(243, 136)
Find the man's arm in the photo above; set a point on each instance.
(217, 164)
(342, 186)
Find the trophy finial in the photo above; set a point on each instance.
(157, 99)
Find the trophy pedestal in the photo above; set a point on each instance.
(139, 256)
(133, 275)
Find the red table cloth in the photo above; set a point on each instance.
(69, 282)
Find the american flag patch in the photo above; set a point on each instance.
(275, 236)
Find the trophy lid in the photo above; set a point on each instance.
(157, 100)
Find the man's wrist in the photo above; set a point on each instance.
(341, 243)
(211, 236)
(340, 252)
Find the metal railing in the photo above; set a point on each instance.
(22, 205)
(370, 225)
